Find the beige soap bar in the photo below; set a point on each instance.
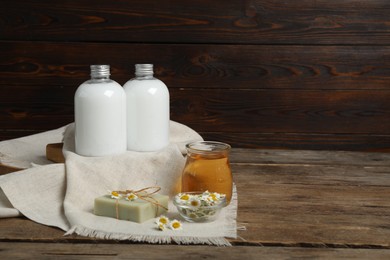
(137, 210)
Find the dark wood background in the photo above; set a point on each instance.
(260, 74)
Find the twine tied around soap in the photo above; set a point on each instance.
(143, 194)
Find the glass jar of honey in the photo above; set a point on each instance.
(207, 168)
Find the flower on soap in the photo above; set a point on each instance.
(115, 195)
(175, 225)
(131, 197)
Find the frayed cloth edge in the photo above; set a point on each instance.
(83, 231)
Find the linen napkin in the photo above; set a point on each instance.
(63, 196)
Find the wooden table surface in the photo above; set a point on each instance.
(294, 204)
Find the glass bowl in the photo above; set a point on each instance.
(199, 206)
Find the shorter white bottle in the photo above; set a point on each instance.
(147, 111)
(100, 115)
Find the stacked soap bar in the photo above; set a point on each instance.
(138, 210)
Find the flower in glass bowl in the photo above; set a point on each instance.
(199, 206)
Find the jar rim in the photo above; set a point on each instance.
(207, 147)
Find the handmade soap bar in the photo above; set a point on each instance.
(138, 210)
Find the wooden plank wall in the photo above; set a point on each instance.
(254, 73)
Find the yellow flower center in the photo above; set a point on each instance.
(163, 220)
(185, 197)
(114, 193)
(176, 225)
(194, 203)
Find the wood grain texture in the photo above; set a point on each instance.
(334, 206)
(224, 111)
(241, 156)
(45, 66)
(254, 73)
(300, 111)
(250, 96)
(249, 21)
(272, 119)
(118, 251)
(346, 142)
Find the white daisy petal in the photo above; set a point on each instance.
(115, 195)
(161, 227)
(184, 197)
(131, 197)
(162, 220)
(194, 203)
(175, 225)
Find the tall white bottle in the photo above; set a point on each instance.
(147, 111)
(100, 115)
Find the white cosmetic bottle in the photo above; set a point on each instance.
(147, 111)
(100, 115)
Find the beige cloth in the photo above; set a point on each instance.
(62, 195)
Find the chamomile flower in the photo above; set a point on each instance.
(115, 195)
(184, 197)
(175, 225)
(161, 227)
(214, 196)
(162, 220)
(205, 195)
(194, 203)
(131, 197)
(200, 206)
(163, 223)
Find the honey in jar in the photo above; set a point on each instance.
(207, 168)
